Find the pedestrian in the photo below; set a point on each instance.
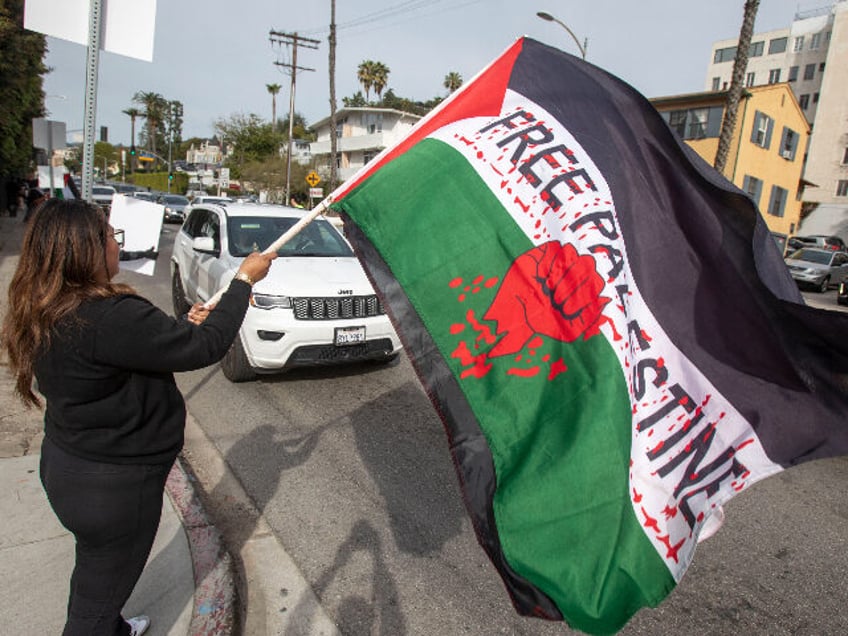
(295, 204)
(103, 359)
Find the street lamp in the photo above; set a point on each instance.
(581, 47)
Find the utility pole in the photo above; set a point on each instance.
(333, 141)
(294, 40)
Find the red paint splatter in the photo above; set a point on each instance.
(671, 551)
(456, 282)
(670, 512)
(523, 373)
(650, 522)
(637, 498)
(457, 328)
(557, 368)
(491, 282)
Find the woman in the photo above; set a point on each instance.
(103, 358)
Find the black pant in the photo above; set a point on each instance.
(113, 511)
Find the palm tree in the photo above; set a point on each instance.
(273, 89)
(132, 112)
(154, 112)
(453, 81)
(740, 64)
(365, 75)
(381, 78)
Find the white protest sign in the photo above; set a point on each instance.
(128, 25)
(141, 222)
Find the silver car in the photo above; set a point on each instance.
(817, 268)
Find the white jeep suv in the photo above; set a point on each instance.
(315, 307)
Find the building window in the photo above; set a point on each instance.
(372, 122)
(809, 71)
(695, 123)
(716, 83)
(724, 55)
(754, 188)
(788, 144)
(749, 79)
(777, 45)
(793, 73)
(761, 133)
(799, 44)
(845, 156)
(804, 101)
(827, 38)
(815, 41)
(821, 67)
(842, 188)
(777, 202)
(774, 76)
(756, 49)
(815, 98)
(368, 155)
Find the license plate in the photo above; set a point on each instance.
(349, 335)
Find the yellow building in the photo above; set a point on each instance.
(767, 150)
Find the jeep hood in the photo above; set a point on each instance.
(315, 276)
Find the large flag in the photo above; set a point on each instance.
(603, 323)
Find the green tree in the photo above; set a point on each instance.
(105, 156)
(155, 111)
(453, 81)
(274, 89)
(355, 101)
(133, 113)
(21, 93)
(300, 130)
(365, 75)
(380, 78)
(252, 139)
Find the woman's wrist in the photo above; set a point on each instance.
(244, 277)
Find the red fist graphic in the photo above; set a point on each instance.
(550, 290)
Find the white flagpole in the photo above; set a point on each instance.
(285, 238)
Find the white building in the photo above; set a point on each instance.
(361, 134)
(811, 54)
(206, 153)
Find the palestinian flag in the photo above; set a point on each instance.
(603, 323)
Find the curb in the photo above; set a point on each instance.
(214, 581)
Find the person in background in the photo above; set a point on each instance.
(103, 359)
(295, 204)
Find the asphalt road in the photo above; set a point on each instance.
(351, 470)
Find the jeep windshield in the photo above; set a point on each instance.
(248, 234)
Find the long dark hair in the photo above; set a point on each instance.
(61, 265)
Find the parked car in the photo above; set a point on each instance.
(821, 240)
(102, 195)
(175, 205)
(205, 198)
(315, 307)
(144, 196)
(817, 267)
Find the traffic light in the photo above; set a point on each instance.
(170, 176)
(132, 150)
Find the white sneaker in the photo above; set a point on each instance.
(138, 625)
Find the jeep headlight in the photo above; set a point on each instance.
(267, 301)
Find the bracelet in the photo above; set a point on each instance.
(244, 277)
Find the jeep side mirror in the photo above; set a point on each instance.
(205, 244)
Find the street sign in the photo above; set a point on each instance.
(316, 193)
(224, 177)
(145, 158)
(313, 179)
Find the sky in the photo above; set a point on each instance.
(215, 56)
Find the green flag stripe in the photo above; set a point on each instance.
(560, 439)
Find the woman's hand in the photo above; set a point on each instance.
(256, 265)
(198, 313)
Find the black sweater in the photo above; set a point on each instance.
(108, 375)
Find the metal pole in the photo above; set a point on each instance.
(91, 71)
(581, 47)
(291, 122)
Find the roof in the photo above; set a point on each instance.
(363, 109)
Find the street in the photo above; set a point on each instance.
(350, 468)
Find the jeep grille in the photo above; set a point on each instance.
(334, 308)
